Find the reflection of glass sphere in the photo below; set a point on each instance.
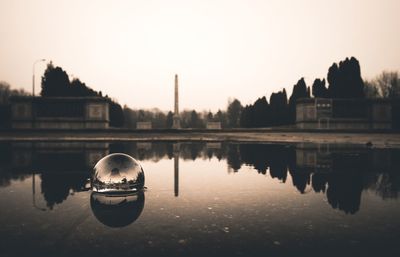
(117, 173)
(117, 210)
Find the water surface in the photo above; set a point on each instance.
(202, 199)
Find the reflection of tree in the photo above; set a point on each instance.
(279, 161)
(351, 161)
(319, 182)
(300, 178)
(6, 153)
(387, 185)
(264, 156)
(341, 174)
(192, 151)
(7, 173)
(209, 153)
(344, 191)
(154, 151)
(255, 155)
(233, 157)
(56, 187)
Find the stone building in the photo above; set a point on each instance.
(59, 112)
(326, 113)
(143, 125)
(213, 125)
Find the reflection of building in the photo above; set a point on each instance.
(325, 113)
(58, 156)
(144, 145)
(59, 112)
(176, 118)
(213, 145)
(329, 158)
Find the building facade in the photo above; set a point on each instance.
(143, 125)
(326, 113)
(59, 113)
(213, 125)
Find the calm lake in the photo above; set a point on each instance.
(202, 199)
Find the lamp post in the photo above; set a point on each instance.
(33, 75)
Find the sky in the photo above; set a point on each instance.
(220, 49)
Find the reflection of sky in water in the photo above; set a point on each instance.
(218, 211)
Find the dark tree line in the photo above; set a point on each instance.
(344, 81)
(189, 118)
(5, 111)
(56, 83)
(279, 111)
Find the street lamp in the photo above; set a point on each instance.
(33, 75)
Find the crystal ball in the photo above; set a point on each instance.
(117, 211)
(117, 173)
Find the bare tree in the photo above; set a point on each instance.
(388, 84)
(371, 89)
(6, 92)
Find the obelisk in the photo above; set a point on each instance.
(176, 119)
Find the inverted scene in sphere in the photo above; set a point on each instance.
(117, 173)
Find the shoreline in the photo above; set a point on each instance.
(370, 138)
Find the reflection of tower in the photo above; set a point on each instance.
(176, 120)
(176, 169)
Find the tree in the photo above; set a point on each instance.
(116, 114)
(260, 113)
(300, 90)
(169, 120)
(194, 120)
(371, 90)
(5, 109)
(78, 88)
(130, 117)
(5, 92)
(210, 116)
(388, 84)
(55, 82)
(319, 89)
(279, 108)
(345, 79)
(245, 120)
(221, 117)
(141, 116)
(233, 112)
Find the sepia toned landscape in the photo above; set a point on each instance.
(199, 128)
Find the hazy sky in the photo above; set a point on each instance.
(220, 48)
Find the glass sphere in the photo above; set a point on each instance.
(117, 210)
(117, 173)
